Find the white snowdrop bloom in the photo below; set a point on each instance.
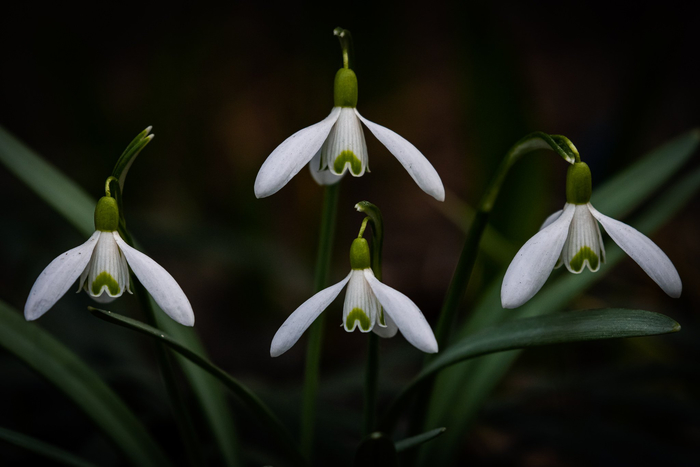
(369, 306)
(102, 266)
(336, 145)
(571, 237)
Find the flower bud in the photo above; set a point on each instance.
(345, 88)
(359, 254)
(107, 214)
(578, 183)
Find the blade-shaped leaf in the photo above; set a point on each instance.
(246, 396)
(415, 441)
(73, 203)
(461, 390)
(62, 368)
(43, 449)
(555, 328)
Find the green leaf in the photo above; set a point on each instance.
(62, 368)
(43, 449)
(461, 390)
(415, 441)
(246, 396)
(59, 192)
(73, 203)
(556, 328)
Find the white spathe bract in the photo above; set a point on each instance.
(102, 265)
(337, 145)
(364, 300)
(572, 237)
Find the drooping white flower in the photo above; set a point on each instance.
(102, 266)
(369, 306)
(571, 237)
(336, 145)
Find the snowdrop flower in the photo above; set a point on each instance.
(369, 306)
(102, 266)
(571, 237)
(336, 145)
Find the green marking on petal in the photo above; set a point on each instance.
(345, 157)
(105, 278)
(381, 317)
(359, 315)
(585, 253)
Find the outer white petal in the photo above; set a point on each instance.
(292, 329)
(552, 217)
(644, 252)
(388, 331)
(411, 158)
(534, 262)
(57, 278)
(325, 176)
(159, 283)
(405, 313)
(293, 154)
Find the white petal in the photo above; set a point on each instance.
(107, 272)
(159, 283)
(644, 252)
(293, 154)
(361, 306)
(405, 313)
(345, 148)
(583, 246)
(292, 329)
(57, 278)
(322, 176)
(534, 262)
(386, 331)
(552, 217)
(411, 158)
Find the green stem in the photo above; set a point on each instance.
(313, 350)
(188, 434)
(371, 379)
(260, 411)
(460, 279)
(346, 46)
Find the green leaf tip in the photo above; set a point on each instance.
(415, 441)
(121, 168)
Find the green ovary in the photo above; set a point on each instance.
(105, 278)
(358, 315)
(345, 157)
(585, 253)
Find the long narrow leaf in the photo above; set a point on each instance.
(461, 390)
(43, 449)
(247, 397)
(62, 368)
(557, 328)
(73, 203)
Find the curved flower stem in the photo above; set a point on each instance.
(260, 411)
(313, 350)
(374, 217)
(346, 46)
(460, 280)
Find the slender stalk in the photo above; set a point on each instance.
(183, 420)
(371, 378)
(460, 279)
(313, 350)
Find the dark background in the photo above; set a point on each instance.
(462, 81)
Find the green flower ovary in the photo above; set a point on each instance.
(345, 88)
(102, 279)
(345, 157)
(585, 253)
(361, 317)
(359, 254)
(106, 214)
(578, 183)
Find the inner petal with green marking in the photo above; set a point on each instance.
(349, 159)
(584, 244)
(360, 317)
(584, 254)
(104, 279)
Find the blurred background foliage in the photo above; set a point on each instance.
(462, 81)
